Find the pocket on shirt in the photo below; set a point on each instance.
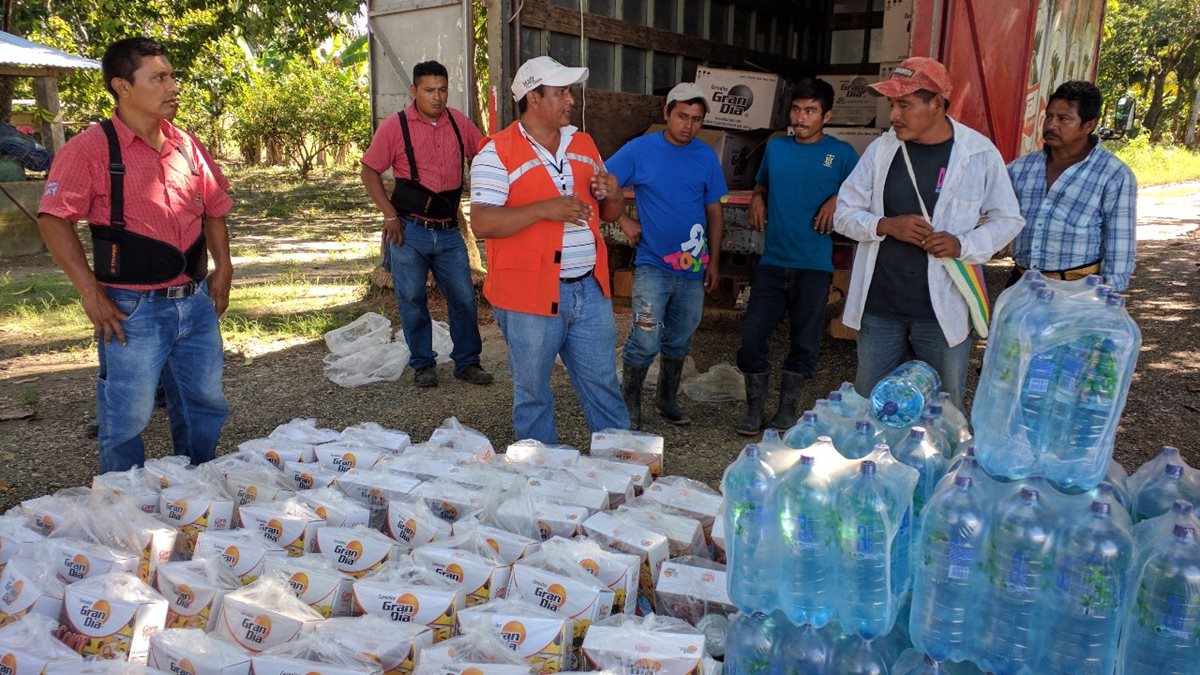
(187, 195)
(965, 212)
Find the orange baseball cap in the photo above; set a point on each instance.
(913, 74)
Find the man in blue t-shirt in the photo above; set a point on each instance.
(678, 184)
(794, 196)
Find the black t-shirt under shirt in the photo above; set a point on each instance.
(900, 285)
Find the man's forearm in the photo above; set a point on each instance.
(612, 207)
(497, 222)
(216, 237)
(67, 251)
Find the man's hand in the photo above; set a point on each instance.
(105, 316)
(632, 229)
(911, 228)
(712, 276)
(393, 231)
(757, 216)
(566, 209)
(603, 185)
(823, 223)
(942, 245)
(219, 283)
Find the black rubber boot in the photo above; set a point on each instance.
(670, 371)
(756, 394)
(632, 378)
(791, 388)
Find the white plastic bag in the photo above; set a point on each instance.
(375, 363)
(722, 382)
(368, 330)
(443, 345)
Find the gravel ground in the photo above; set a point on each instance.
(51, 450)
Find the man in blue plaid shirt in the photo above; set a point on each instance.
(1079, 201)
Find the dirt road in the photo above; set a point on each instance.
(51, 450)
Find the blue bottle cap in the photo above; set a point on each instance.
(1184, 532)
(1105, 488)
(1174, 470)
(1168, 450)
(890, 408)
(1029, 494)
(807, 460)
(867, 468)
(810, 417)
(1045, 294)
(963, 481)
(1092, 280)
(1182, 507)
(1115, 300)
(935, 409)
(1100, 507)
(1031, 275)
(835, 396)
(1102, 291)
(751, 451)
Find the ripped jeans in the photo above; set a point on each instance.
(666, 311)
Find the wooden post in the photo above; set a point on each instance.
(45, 92)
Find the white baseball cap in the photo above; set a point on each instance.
(544, 70)
(687, 91)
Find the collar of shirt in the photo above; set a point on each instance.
(415, 116)
(564, 139)
(126, 137)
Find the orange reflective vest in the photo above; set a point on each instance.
(523, 268)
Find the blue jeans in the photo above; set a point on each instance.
(802, 295)
(585, 334)
(179, 334)
(446, 254)
(666, 311)
(883, 344)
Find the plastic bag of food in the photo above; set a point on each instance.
(16, 530)
(457, 436)
(370, 433)
(471, 562)
(254, 483)
(618, 571)
(411, 523)
(112, 616)
(180, 650)
(194, 508)
(373, 488)
(311, 654)
(316, 581)
(309, 476)
(291, 524)
(510, 546)
(450, 501)
(304, 430)
(45, 513)
(136, 484)
(28, 586)
(335, 507)
(194, 590)
(563, 487)
(481, 651)
(407, 592)
(73, 559)
(627, 536)
(533, 452)
(365, 331)
(600, 474)
(98, 668)
(393, 645)
(264, 614)
(622, 641)
(279, 451)
(541, 637)
(170, 470)
(687, 497)
(685, 535)
(722, 382)
(29, 645)
(356, 550)
(119, 523)
(623, 445)
(375, 363)
(244, 551)
(341, 456)
(690, 588)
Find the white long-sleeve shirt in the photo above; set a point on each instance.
(977, 205)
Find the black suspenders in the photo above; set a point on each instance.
(408, 147)
(116, 173)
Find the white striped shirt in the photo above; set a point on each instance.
(490, 181)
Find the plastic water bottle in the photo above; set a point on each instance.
(1037, 419)
(748, 645)
(1149, 534)
(805, 507)
(918, 452)
(804, 650)
(1087, 603)
(1164, 615)
(1020, 545)
(1156, 497)
(860, 442)
(1152, 469)
(942, 432)
(864, 563)
(899, 398)
(947, 588)
(806, 431)
(715, 627)
(855, 656)
(954, 418)
(750, 532)
(845, 410)
(927, 666)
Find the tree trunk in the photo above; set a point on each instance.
(1154, 112)
(7, 84)
(1189, 139)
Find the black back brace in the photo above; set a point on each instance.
(410, 198)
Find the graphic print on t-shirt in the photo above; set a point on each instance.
(693, 253)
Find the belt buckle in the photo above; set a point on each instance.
(177, 292)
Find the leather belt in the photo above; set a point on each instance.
(581, 277)
(436, 225)
(1071, 274)
(175, 292)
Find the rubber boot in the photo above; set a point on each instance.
(670, 371)
(791, 388)
(756, 394)
(632, 378)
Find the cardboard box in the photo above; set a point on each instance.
(355, 550)
(194, 512)
(274, 664)
(191, 651)
(652, 549)
(542, 639)
(254, 628)
(611, 648)
(373, 488)
(26, 587)
(336, 509)
(317, 583)
(739, 152)
(13, 536)
(895, 44)
(742, 100)
(635, 447)
(618, 571)
(435, 608)
(394, 646)
(858, 137)
(448, 500)
(342, 457)
(193, 594)
(112, 617)
(279, 451)
(307, 475)
(583, 603)
(480, 578)
(853, 102)
(244, 551)
(412, 524)
(509, 546)
(687, 586)
(679, 497)
(288, 524)
(75, 560)
(569, 492)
